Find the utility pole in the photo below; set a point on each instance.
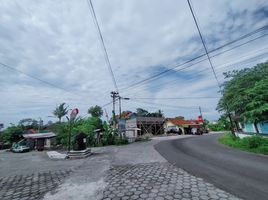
(120, 109)
(40, 124)
(200, 111)
(114, 95)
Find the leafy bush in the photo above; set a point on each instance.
(61, 130)
(254, 141)
(12, 134)
(263, 148)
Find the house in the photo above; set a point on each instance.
(180, 125)
(137, 126)
(250, 128)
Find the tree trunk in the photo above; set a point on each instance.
(231, 122)
(256, 127)
(59, 119)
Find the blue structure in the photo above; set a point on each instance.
(262, 126)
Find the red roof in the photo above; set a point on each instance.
(125, 115)
(183, 122)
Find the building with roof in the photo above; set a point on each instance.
(182, 126)
(38, 140)
(134, 125)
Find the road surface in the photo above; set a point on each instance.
(242, 174)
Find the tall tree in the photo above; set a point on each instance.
(257, 109)
(245, 93)
(160, 113)
(28, 123)
(95, 111)
(141, 112)
(60, 111)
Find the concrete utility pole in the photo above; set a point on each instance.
(202, 118)
(120, 110)
(40, 124)
(114, 95)
(200, 112)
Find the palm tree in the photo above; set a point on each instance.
(60, 111)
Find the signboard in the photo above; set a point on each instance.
(200, 119)
(74, 113)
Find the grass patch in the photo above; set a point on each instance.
(255, 143)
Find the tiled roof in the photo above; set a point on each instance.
(125, 115)
(183, 122)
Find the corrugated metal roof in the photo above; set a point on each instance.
(40, 135)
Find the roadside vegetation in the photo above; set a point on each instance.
(245, 95)
(255, 143)
(98, 132)
(222, 124)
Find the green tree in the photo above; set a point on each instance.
(95, 111)
(28, 123)
(12, 134)
(205, 123)
(245, 93)
(158, 113)
(142, 112)
(60, 111)
(221, 125)
(257, 109)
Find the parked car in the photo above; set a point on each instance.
(20, 148)
(175, 131)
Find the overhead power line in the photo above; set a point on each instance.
(93, 14)
(204, 45)
(171, 98)
(31, 76)
(215, 55)
(164, 72)
(197, 73)
(165, 105)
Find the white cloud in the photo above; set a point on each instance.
(57, 41)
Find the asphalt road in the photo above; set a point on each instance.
(242, 174)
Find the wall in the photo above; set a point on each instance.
(249, 127)
(131, 124)
(263, 128)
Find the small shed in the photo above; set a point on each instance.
(41, 140)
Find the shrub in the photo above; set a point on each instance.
(263, 148)
(254, 141)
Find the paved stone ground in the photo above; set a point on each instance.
(158, 181)
(32, 186)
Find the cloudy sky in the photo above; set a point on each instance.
(57, 42)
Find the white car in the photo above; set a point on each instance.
(20, 149)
